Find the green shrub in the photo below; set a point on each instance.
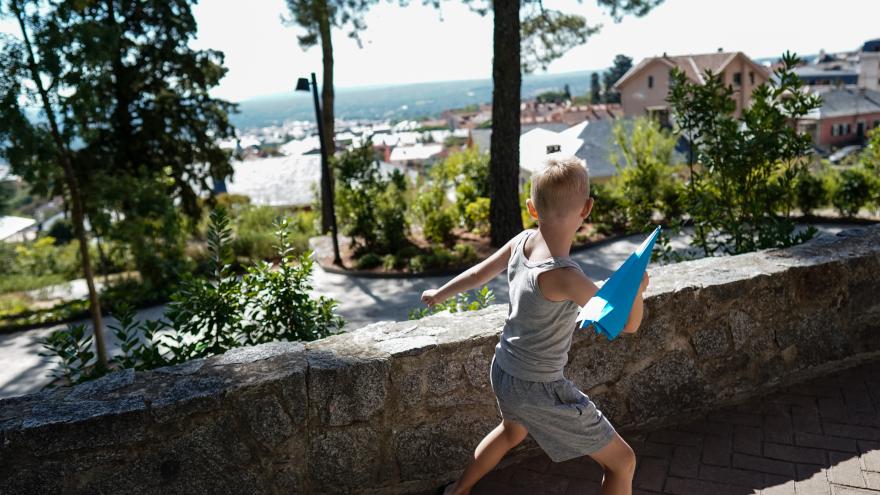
(438, 227)
(852, 191)
(368, 261)
(418, 263)
(645, 175)
(477, 215)
(371, 207)
(809, 192)
(392, 262)
(208, 317)
(61, 231)
(464, 253)
(254, 236)
(609, 213)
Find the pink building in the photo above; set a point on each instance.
(844, 118)
(644, 88)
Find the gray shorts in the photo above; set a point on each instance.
(561, 418)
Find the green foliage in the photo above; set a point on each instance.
(645, 180)
(809, 191)
(741, 196)
(61, 231)
(551, 97)
(254, 235)
(71, 348)
(438, 227)
(851, 190)
(208, 317)
(619, 67)
(467, 172)
(370, 260)
(123, 83)
(368, 204)
(280, 300)
(609, 212)
(477, 215)
(466, 301)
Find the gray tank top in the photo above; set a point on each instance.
(537, 333)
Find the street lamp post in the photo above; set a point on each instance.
(327, 209)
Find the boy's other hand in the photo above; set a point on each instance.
(645, 281)
(430, 298)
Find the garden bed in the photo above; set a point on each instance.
(478, 246)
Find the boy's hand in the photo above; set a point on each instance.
(645, 281)
(430, 298)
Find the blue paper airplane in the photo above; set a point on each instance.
(608, 311)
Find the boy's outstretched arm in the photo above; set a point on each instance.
(475, 276)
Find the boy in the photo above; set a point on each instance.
(546, 288)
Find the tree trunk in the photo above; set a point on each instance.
(77, 211)
(327, 112)
(504, 210)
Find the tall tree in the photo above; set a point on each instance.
(117, 78)
(149, 128)
(317, 18)
(527, 36)
(31, 75)
(619, 67)
(595, 88)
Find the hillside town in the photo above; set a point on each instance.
(848, 82)
(278, 165)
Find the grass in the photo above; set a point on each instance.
(19, 283)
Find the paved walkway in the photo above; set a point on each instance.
(820, 437)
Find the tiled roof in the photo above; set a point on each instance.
(840, 102)
(693, 66)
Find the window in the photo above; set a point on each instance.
(848, 129)
(737, 78)
(751, 78)
(553, 148)
(833, 130)
(650, 81)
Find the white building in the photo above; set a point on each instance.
(869, 65)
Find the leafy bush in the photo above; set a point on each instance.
(852, 190)
(477, 215)
(740, 195)
(369, 204)
(438, 227)
(645, 176)
(369, 260)
(61, 231)
(609, 212)
(254, 234)
(208, 317)
(461, 302)
(809, 192)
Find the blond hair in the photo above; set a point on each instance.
(563, 183)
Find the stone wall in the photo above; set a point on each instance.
(398, 407)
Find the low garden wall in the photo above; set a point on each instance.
(398, 407)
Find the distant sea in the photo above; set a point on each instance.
(406, 101)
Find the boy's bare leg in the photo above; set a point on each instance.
(619, 462)
(489, 452)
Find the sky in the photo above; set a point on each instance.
(421, 44)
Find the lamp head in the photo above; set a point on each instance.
(302, 84)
